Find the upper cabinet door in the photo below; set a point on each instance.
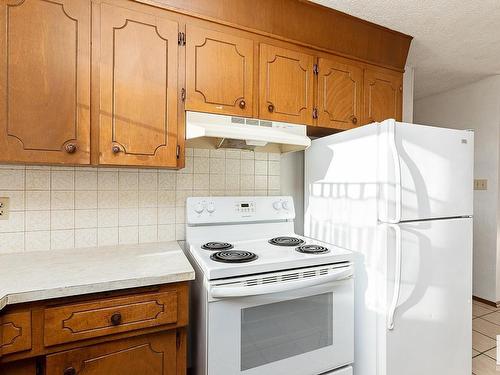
(219, 72)
(383, 96)
(45, 81)
(339, 94)
(286, 85)
(138, 88)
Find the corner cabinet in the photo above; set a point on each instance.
(383, 95)
(219, 72)
(138, 87)
(45, 81)
(286, 85)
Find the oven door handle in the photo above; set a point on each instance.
(247, 291)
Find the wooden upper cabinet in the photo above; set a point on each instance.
(45, 81)
(286, 85)
(383, 95)
(339, 94)
(219, 72)
(138, 87)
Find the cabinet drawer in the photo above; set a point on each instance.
(15, 332)
(86, 320)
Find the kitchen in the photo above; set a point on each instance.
(214, 187)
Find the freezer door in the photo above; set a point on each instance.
(433, 317)
(425, 172)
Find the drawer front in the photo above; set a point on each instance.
(15, 332)
(108, 316)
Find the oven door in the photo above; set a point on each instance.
(300, 327)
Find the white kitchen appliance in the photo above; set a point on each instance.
(400, 196)
(266, 301)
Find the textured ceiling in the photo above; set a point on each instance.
(455, 42)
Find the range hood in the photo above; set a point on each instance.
(205, 130)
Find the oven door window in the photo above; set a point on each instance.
(281, 330)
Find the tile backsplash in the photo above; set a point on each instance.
(54, 207)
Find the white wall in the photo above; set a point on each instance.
(476, 106)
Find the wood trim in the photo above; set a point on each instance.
(486, 302)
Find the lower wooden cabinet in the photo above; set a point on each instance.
(15, 332)
(147, 355)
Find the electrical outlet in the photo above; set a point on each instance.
(4, 208)
(481, 184)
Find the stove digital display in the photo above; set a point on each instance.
(244, 205)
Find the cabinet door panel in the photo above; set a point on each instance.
(339, 94)
(138, 88)
(286, 85)
(145, 355)
(219, 72)
(383, 96)
(45, 81)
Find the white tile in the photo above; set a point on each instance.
(62, 219)
(201, 193)
(166, 180)
(181, 196)
(128, 199)
(201, 165)
(260, 156)
(16, 199)
(15, 223)
(12, 179)
(189, 151)
(201, 181)
(217, 166)
(188, 166)
(260, 192)
(37, 241)
(107, 180)
(246, 154)
(37, 200)
(260, 167)
(247, 182)
(180, 230)
(62, 200)
(274, 156)
(128, 216)
(233, 182)
(128, 235)
(62, 168)
(62, 180)
(107, 199)
(271, 192)
(166, 198)
(107, 236)
(86, 218)
(166, 215)
(217, 193)
(166, 232)
(219, 153)
(148, 198)
(273, 182)
(148, 233)
(37, 179)
(233, 166)
(247, 193)
(184, 182)
(260, 182)
(217, 182)
(85, 180)
(247, 167)
(180, 215)
(148, 216)
(86, 199)
(148, 181)
(233, 154)
(37, 220)
(11, 242)
(107, 217)
(201, 152)
(62, 239)
(13, 166)
(128, 180)
(274, 168)
(85, 237)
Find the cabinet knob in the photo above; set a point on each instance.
(354, 120)
(70, 148)
(242, 104)
(270, 107)
(116, 319)
(69, 371)
(116, 149)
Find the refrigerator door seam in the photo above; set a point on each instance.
(397, 278)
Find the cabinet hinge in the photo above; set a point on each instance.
(316, 69)
(183, 94)
(181, 38)
(315, 113)
(178, 152)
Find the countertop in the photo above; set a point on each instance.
(35, 276)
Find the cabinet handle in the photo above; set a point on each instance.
(69, 371)
(116, 319)
(270, 107)
(116, 149)
(70, 148)
(354, 120)
(242, 104)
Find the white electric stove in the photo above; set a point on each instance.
(265, 300)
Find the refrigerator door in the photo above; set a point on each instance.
(424, 172)
(431, 281)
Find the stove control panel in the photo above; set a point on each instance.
(211, 210)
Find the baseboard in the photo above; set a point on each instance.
(485, 301)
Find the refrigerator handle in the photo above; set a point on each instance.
(397, 278)
(397, 172)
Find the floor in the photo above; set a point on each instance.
(485, 328)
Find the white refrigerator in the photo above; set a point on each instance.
(400, 196)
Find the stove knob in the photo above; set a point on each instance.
(198, 208)
(211, 207)
(286, 205)
(277, 205)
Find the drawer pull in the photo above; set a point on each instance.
(70, 148)
(270, 108)
(243, 104)
(116, 319)
(69, 371)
